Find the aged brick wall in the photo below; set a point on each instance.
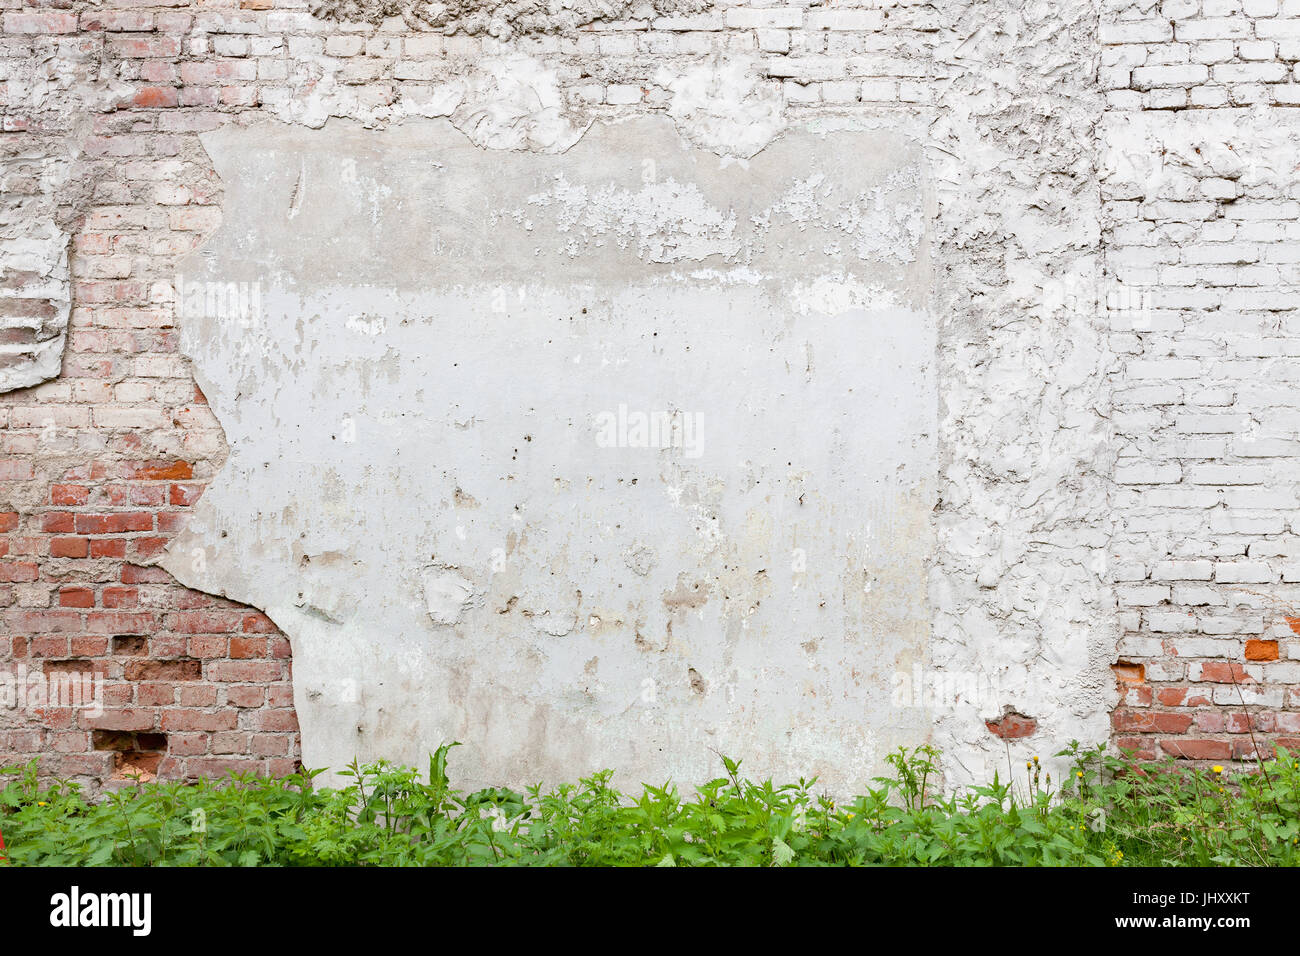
(100, 463)
(1203, 234)
(1180, 154)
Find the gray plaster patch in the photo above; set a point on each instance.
(620, 457)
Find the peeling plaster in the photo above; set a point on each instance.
(47, 182)
(724, 106)
(420, 398)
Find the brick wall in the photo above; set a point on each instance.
(100, 463)
(1201, 54)
(1202, 222)
(101, 163)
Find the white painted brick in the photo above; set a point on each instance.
(1228, 694)
(1234, 523)
(1145, 595)
(1249, 72)
(1183, 571)
(1244, 572)
(770, 18)
(1213, 51)
(1164, 369)
(1196, 595)
(844, 91)
(1211, 28)
(1182, 74)
(1167, 622)
(1227, 474)
(1136, 31)
(622, 93)
(774, 41)
(1148, 474)
(844, 19)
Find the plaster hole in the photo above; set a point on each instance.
(130, 645)
(1129, 672)
(697, 682)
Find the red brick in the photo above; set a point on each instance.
(198, 695)
(1012, 726)
(206, 622)
(1146, 721)
(220, 766)
(208, 646)
(246, 695)
(186, 495)
(15, 572)
(1186, 749)
(178, 719)
(270, 745)
(58, 522)
(107, 548)
(1224, 672)
(114, 523)
(76, 597)
(1261, 650)
(176, 670)
(127, 719)
(68, 547)
(252, 672)
(120, 597)
(120, 622)
(258, 624)
(44, 621)
(140, 574)
(159, 470)
(188, 745)
(147, 547)
(273, 720)
(156, 695)
(40, 23)
(247, 647)
(69, 494)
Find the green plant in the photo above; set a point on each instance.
(1109, 811)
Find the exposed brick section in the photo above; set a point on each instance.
(1012, 726)
(98, 464)
(1203, 230)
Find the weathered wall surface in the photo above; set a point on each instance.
(624, 455)
(1112, 290)
(1201, 217)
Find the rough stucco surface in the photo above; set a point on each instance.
(497, 18)
(1019, 578)
(430, 492)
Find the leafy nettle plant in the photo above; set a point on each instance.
(1109, 811)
